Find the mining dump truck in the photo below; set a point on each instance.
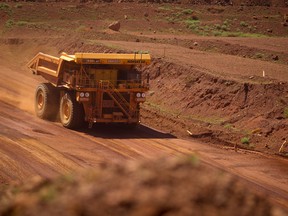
(90, 87)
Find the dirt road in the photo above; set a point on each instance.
(31, 146)
(217, 64)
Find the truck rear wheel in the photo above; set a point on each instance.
(71, 111)
(46, 101)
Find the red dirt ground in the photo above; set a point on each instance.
(211, 86)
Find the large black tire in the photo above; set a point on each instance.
(71, 111)
(47, 101)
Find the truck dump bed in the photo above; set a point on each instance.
(43, 64)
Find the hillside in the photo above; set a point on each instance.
(218, 91)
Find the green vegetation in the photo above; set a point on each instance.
(231, 128)
(187, 11)
(237, 34)
(243, 24)
(228, 126)
(286, 112)
(194, 160)
(165, 7)
(217, 26)
(192, 21)
(219, 29)
(186, 16)
(160, 108)
(48, 194)
(22, 23)
(245, 140)
(226, 22)
(224, 28)
(192, 24)
(215, 120)
(184, 12)
(172, 19)
(6, 8)
(259, 55)
(9, 23)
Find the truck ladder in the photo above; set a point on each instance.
(122, 103)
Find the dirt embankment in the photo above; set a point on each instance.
(162, 187)
(216, 108)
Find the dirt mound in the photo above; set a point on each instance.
(164, 187)
(219, 108)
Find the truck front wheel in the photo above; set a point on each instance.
(46, 101)
(71, 111)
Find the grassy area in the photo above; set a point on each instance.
(215, 120)
(237, 34)
(165, 8)
(6, 8)
(220, 29)
(193, 25)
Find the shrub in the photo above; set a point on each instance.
(243, 24)
(22, 23)
(228, 126)
(224, 28)
(245, 140)
(226, 22)
(4, 6)
(217, 33)
(192, 24)
(217, 26)
(187, 11)
(9, 23)
(165, 7)
(259, 55)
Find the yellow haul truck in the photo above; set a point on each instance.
(90, 87)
